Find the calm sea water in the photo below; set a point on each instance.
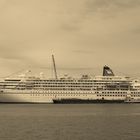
(70, 122)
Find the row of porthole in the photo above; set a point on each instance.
(120, 95)
(57, 95)
(111, 95)
(135, 95)
(61, 93)
(110, 92)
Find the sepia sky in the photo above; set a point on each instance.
(82, 34)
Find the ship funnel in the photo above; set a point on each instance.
(107, 71)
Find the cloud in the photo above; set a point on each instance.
(111, 5)
(75, 31)
(84, 51)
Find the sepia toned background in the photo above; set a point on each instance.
(84, 35)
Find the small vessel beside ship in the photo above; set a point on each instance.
(107, 88)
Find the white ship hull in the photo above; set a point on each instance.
(16, 96)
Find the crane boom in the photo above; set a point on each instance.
(54, 66)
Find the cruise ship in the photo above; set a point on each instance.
(107, 88)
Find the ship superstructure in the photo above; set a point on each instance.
(105, 88)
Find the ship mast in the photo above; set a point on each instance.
(54, 66)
